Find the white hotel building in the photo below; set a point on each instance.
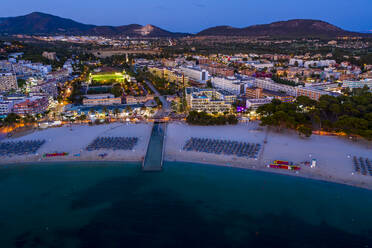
(195, 73)
(269, 84)
(229, 84)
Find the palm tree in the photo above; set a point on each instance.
(11, 119)
(104, 110)
(28, 119)
(116, 112)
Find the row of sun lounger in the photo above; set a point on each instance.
(20, 147)
(113, 143)
(226, 147)
(362, 166)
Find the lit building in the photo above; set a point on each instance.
(209, 100)
(312, 93)
(40, 86)
(298, 62)
(195, 73)
(357, 84)
(170, 75)
(255, 103)
(138, 99)
(230, 84)
(278, 95)
(101, 99)
(8, 81)
(268, 84)
(49, 55)
(31, 105)
(217, 69)
(5, 107)
(320, 63)
(254, 93)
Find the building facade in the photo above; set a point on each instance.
(6, 107)
(101, 99)
(208, 100)
(312, 93)
(230, 84)
(8, 81)
(31, 105)
(195, 73)
(268, 84)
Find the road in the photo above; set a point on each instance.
(166, 109)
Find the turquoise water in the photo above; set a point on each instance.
(186, 205)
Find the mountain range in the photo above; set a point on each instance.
(291, 28)
(38, 23)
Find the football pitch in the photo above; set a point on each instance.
(118, 77)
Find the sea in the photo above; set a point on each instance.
(106, 204)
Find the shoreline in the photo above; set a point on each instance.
(195, 163)
(283, 173)
(332, 153)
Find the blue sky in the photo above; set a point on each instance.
(195, 15)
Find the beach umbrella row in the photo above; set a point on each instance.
(20, 147)
(362, 166)
(226, 147)
(113, 143)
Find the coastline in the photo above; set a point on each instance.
(281, 172)
(331, 152)
(195, 163)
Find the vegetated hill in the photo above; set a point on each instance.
(38, 23)
(291, 28)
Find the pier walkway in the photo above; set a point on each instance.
(155, 151)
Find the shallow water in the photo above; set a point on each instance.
(186, 205)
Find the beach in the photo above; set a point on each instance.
(333, 154)
(75, 138)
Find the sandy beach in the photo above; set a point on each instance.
(333, 154)
(74, 140)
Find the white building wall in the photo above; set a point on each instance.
(230, 85)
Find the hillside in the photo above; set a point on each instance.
(291, 28)
(44, 24)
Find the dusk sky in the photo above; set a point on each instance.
(195, 15)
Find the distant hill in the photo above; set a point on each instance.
(291, 28)
(38, 23)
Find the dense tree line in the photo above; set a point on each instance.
(205, 119)
(350, 113)
(162, 85)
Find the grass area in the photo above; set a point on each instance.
(113, 77)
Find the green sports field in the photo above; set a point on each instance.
(118, 77)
